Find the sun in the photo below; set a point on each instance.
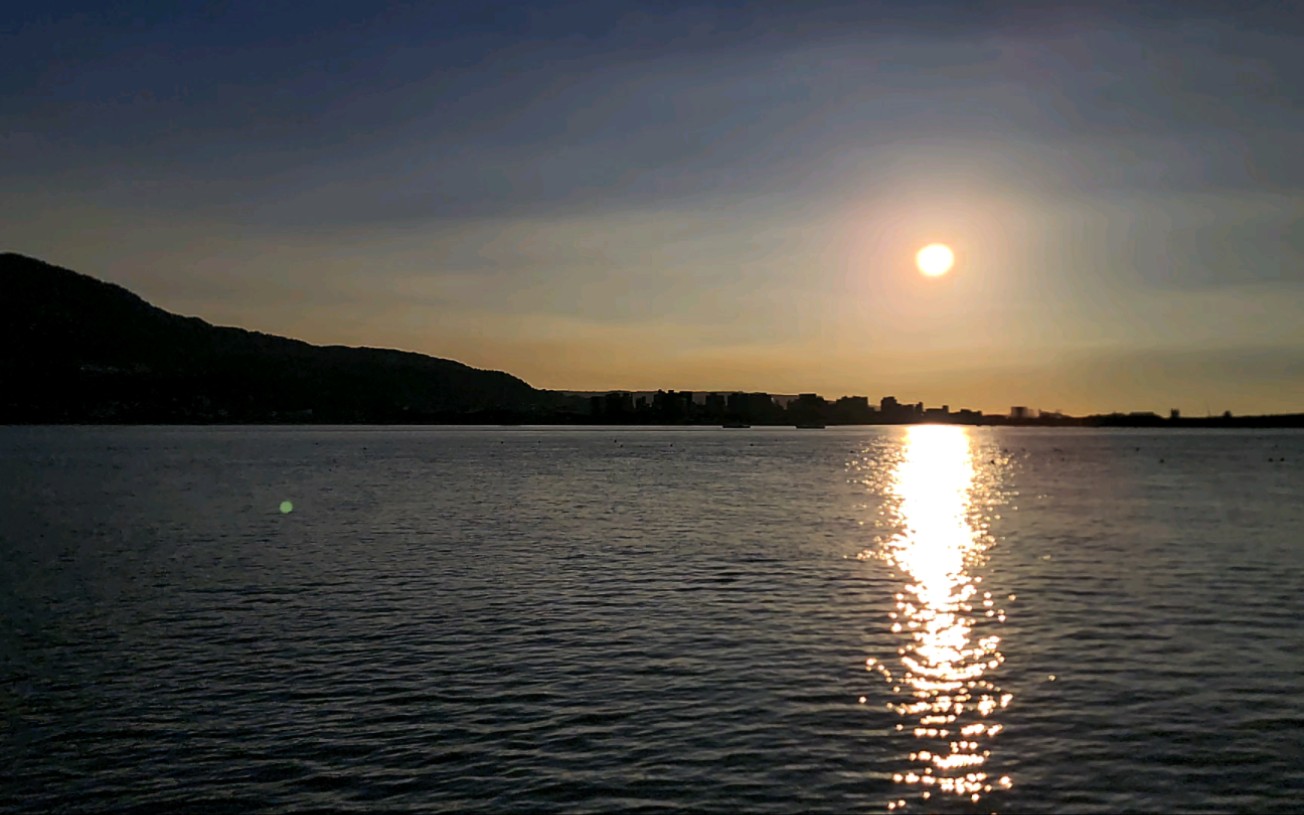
(935, 259)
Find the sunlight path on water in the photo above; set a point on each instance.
(945, 621)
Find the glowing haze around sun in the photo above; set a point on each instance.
(935, 259)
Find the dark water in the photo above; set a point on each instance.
(926, 619)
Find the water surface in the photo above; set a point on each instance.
(860, 619)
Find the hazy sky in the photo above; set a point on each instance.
(607, 194)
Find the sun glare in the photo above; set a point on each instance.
(950, 643)
(935, 259)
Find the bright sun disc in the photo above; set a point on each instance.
(935, 259)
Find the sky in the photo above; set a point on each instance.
(704, 196)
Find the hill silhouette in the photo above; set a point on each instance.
(77, 349)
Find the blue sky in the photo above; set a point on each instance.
(707, 196)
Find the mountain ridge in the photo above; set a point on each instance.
(76, 348)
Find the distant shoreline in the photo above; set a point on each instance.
(1282, 421)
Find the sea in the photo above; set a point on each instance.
(926, 618)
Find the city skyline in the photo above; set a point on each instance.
(598, 196)
(886, 409)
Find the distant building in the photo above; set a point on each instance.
(890, 410)
(1023, 412)
(618, 403)
(853, 410)
(672, 406)
(809, 410)
(751, 407)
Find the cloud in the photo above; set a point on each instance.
(365, 121)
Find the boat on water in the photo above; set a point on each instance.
(810, 425)
(735, 424)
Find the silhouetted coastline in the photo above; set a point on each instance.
(81, 351)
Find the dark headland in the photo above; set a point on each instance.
(74, 349)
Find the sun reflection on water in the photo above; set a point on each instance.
(942, 688)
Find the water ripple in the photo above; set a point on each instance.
(521, 620)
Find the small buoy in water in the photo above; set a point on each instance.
(286, 507)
